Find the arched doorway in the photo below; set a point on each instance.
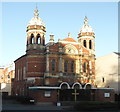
(64, 92)
(88, 86)
(64, 85)
(77, 85)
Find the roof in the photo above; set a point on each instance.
(118, 53)
(20, 57)
(36, 20)
(69, 39)
(86, 27)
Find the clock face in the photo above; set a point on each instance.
(69, 51)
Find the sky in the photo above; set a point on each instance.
(60, 18)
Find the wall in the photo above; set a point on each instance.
(107, 72)
(6, 87)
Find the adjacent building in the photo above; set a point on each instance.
(7, 73)
(107, 72)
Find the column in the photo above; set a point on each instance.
(46, 80)
(47, 61)
(81, 65)
(90, 66)
(77, 65)
(60, 63)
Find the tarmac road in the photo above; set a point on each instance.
(13, 106)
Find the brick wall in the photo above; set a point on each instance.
(100, 95)
(39, 96)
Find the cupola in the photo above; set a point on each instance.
(35, 33)
(86, 29)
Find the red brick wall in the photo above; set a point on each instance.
(35, 66)
(39, 96)
(99, 95)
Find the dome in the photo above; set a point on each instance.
(36, 20)
(86, 28)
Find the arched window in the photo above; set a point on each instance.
(27, 42)
(66, 66)
(90, 44)
(84, 67)
(84, 43)
(8, 76)
(32, 39)
(72, 66)
(103, 79)
(64, 86)
(53, 65)
(38, 39)
(88, 86)
(43, 41)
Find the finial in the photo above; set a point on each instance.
(51, 37)
(36, 5)
(86, 20)
(36, 13)
(51, 33)
(69, 34)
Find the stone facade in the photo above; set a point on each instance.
(47, 68)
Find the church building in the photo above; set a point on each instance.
(46, 69)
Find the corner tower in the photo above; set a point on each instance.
(35, 34)
(86, 36)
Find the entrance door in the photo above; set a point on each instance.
(74, 95)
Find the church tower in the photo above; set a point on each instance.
(35, 34)
(86, 36)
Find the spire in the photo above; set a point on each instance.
(85, 20)
(36, 13)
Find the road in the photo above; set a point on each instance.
(14, 106)
(11, 105)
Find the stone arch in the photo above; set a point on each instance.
(90, 44)
(38, 39)
(32, 39)
(84, 43)
(43, 39)
(66, 66)
(88, 86)
(84, 66)
(66, 84)
(77, 83)
(72, 66)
